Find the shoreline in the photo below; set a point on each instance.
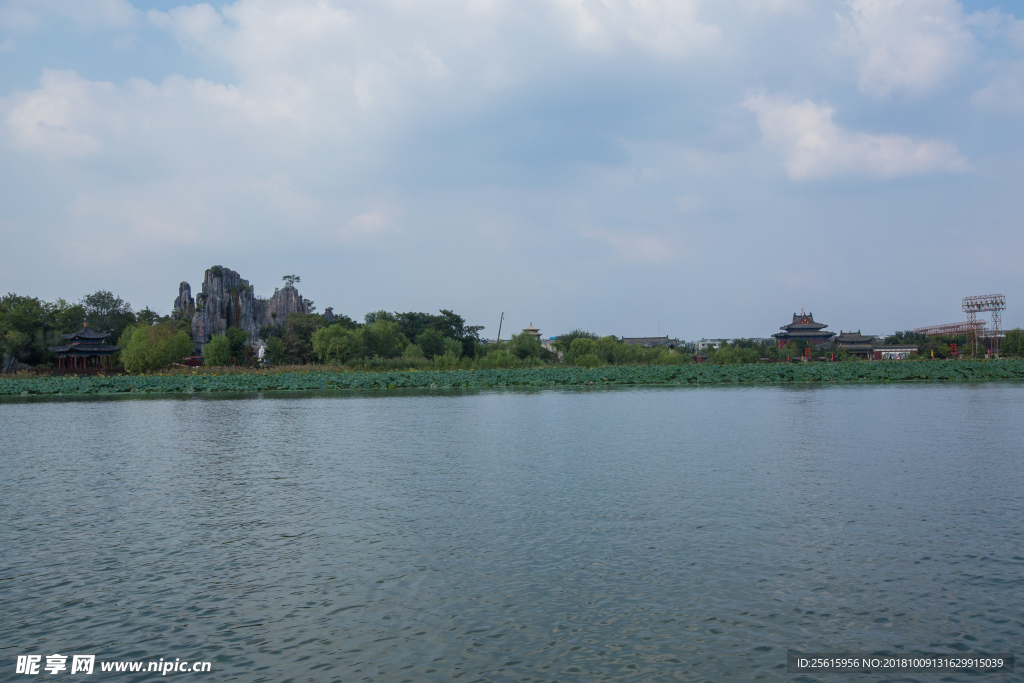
(328, 382)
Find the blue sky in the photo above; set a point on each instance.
(702, 168)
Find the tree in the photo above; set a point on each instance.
(29, 327)
(564, 341)
(431, 341)
(616, 352)
(297, 337)
(217, 351)
(22, 322)
(732, 355)
(345, 321)
(145, 347)
(275, 353)
(290, 280)
(1013, 344)
(580, 349)
(66, 317)
(383, 339)
(227, 349)
(107, 313)
(148, 316)
(238, 344)
(525, 345)
(452, 348)
(448, 324)
(371, 318)
(337, 343)
(412, 352)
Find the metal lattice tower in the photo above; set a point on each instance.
(984, 303)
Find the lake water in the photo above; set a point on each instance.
(667, 534)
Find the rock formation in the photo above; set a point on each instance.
(184, 303)
(284, 301)
(227, 300)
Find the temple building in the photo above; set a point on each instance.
(856, 344)
(532, 331)
(803, 328)
(85, 350)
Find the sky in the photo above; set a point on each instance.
(631, 167)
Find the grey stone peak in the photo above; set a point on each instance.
(228, 300)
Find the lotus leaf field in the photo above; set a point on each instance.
(686, 375)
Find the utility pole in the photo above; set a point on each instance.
(499, 327)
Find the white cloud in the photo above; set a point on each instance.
(904, 46)
(345, 75)
(367, 226)
(813, 146)
(24, 15)
(688, 203)
(636, 247)
(1004, 92)
(665, 27)
(59, 119)
(995, 24)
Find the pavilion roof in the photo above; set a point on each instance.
(811, 333)
(853, 337)
(85, 349)
(86, 333)
(803, 321)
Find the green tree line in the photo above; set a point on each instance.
(29, 326)
(385, 340)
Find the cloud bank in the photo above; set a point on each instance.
(589, 151)
(813, 146)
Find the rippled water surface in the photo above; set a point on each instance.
(597, 535)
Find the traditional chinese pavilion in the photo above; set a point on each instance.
(856, 343)
(803, 328)
(85, 350)
(532, 331)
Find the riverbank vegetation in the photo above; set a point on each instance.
(322, 380)
(387, 341)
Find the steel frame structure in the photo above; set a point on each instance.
(993, 303)
(952, 329)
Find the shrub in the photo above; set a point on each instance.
(588, 360)
(452, 347)
(337, 343)
(239, 343)
(1013, 344)
(145, 348)
(498, 359)
(383, 339)
(446, 361)
(275, 353)
(564, 341)
(579, 348)
(676, 358)
(412, 352)
(217, 351)
(525, 346)
(730, 355)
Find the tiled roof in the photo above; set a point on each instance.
(85, 349)
(86, 333)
